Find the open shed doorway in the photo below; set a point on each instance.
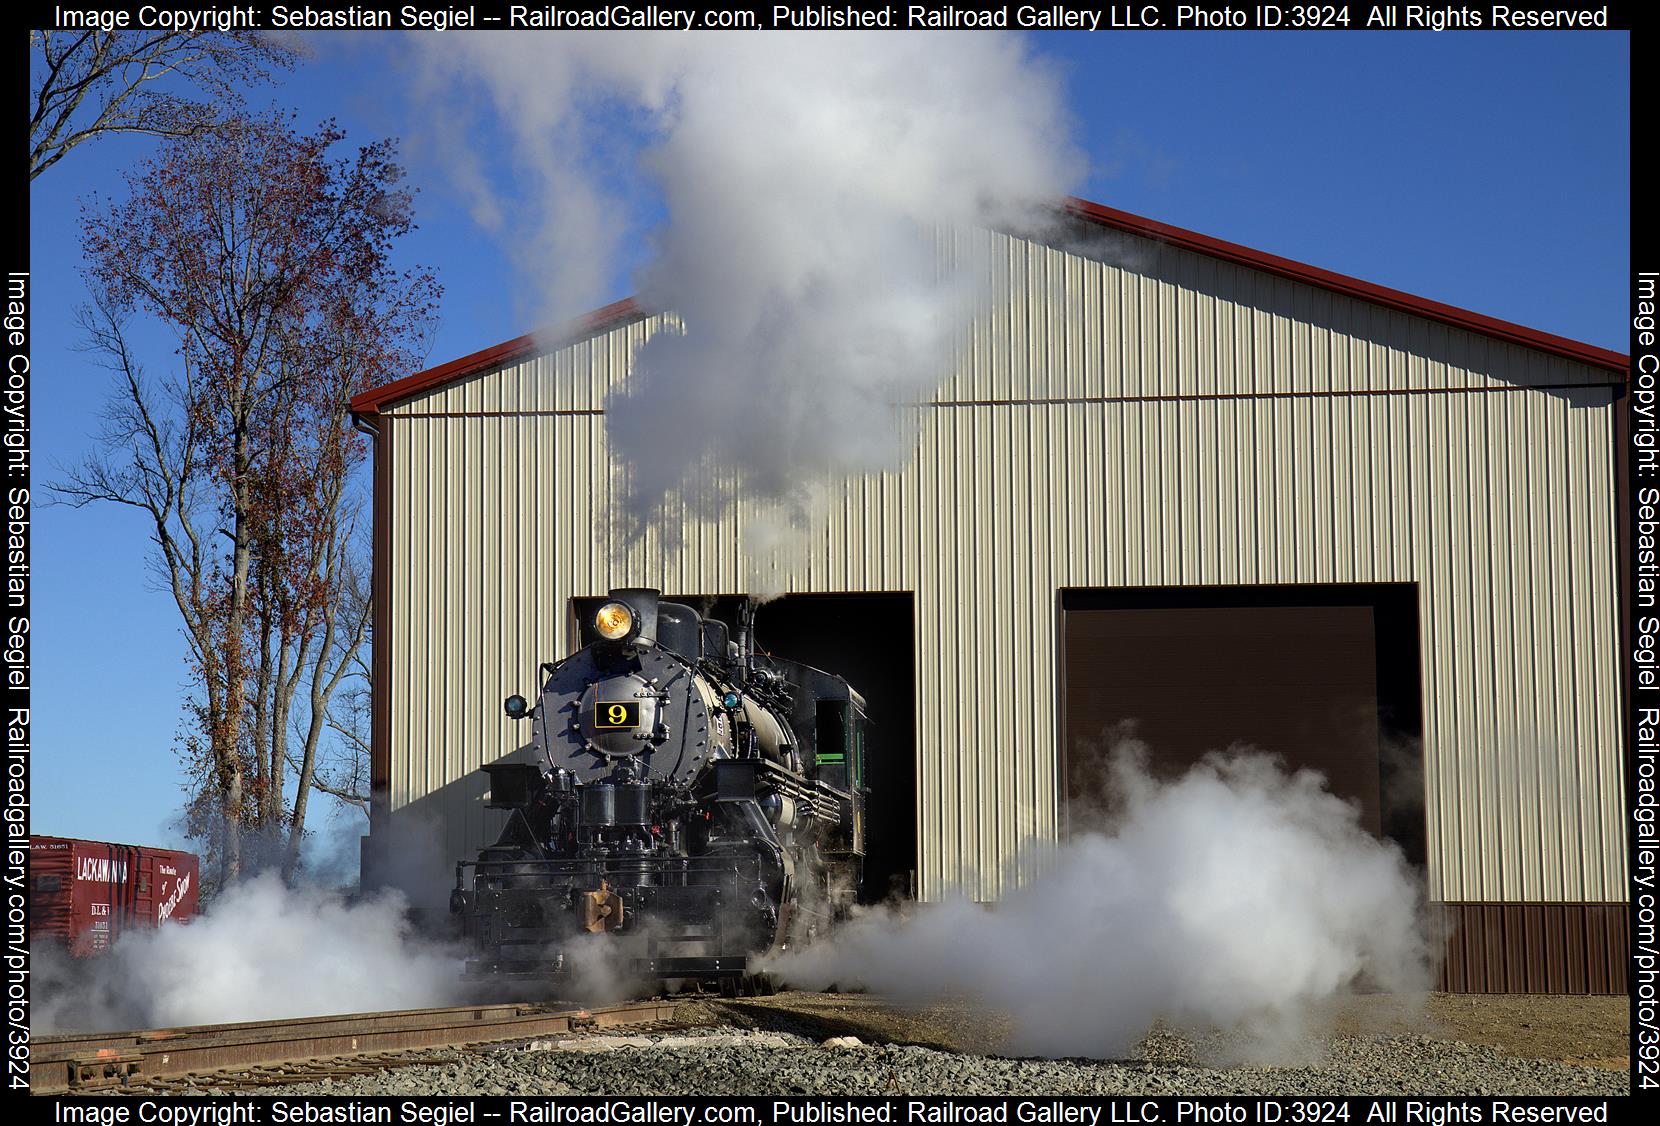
(869, 640)
(1325, 676)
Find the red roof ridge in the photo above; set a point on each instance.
(616, 313)
(1353, 287)
(374, 399)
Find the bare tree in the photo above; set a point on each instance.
(344, 775)
(269, 262)
(85, 84)
(311, 609)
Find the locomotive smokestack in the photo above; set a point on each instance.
(746, 641)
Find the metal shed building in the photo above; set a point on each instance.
(1171, 480)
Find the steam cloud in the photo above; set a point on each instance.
(807, 180)
(1234, 896)
(260, 952)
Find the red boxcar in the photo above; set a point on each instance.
(86, 893)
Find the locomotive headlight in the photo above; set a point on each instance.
(614, 621)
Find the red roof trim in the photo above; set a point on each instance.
(1352, 287)
(373, 400)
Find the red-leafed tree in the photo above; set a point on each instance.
(268, 260)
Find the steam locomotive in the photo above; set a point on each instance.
(690, 803)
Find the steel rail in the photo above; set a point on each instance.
(94, 1061)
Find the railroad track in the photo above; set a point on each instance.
(297, 1051)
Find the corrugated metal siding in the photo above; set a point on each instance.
(572, 378)
(1170, 419)
(1534, 947)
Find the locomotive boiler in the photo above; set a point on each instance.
(685, 804)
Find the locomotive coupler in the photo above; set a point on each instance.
(602, 909)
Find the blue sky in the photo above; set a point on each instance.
(1487, 170)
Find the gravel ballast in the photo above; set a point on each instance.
(724, 1057)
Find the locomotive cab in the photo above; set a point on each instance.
(686, 805)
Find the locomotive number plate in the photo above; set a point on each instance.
(616, 715)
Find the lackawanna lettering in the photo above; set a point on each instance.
(101, 870)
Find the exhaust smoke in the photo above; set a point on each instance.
(813, 188)
(1234, 897)
(260, 951)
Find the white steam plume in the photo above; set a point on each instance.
(806, 179)
(1235, 896)
(261, 951)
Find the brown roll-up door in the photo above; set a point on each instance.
(1300, 681)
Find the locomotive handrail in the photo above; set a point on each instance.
(689, 865)
(679, 863)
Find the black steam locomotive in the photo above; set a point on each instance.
(689, 802)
